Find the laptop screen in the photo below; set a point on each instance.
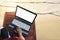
(24, 14)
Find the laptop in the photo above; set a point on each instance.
(24, 20)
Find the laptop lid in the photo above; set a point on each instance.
(25, 14)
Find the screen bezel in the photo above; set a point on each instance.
(26, 10)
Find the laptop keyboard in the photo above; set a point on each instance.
(21, 24)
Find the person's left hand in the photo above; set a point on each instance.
(16, 33)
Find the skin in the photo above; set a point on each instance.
(18, 32)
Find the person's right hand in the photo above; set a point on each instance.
(17, 32)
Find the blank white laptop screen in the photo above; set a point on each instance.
(25, 15)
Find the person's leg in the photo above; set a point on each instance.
(4, 33)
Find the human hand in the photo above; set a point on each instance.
(17, 32)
